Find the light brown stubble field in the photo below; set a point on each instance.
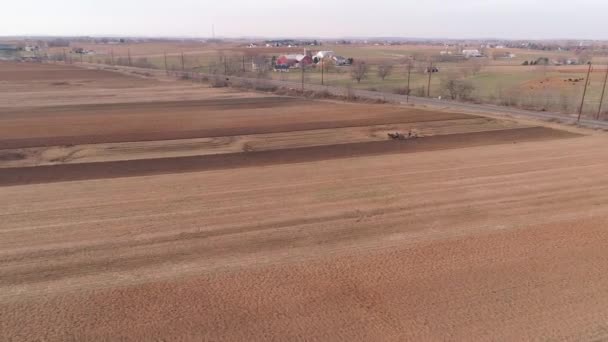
(483, 229)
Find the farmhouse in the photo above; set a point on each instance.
(294, 61)
(471, 53)
(324, 54)
(8, 52)
(8, 47)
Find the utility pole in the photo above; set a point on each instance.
(322, 71)
(166, 68)
(599, 111)
(65, 57)
(409, 77)
(580, 110)
(302, 67)
(81, 58)
(183, 64)
(430, 71)
(243, 63)
(112, 54)
(129, 55)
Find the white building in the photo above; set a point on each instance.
(471, 53)
(324, 54)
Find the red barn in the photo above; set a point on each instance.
(293, 61)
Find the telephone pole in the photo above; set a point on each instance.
(409, 76)
(65, 57)
(580, 110)
(599, 111)
(166, 68)
(183, 64)
(430, 71)
(322, 71)
(112, 54)
(129, 55)
(302, 67)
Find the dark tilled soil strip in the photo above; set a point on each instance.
(131, 168)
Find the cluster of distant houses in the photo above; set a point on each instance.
(289, 61)
(19, 52)
(13, 47)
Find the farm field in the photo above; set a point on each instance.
(502, 81)
(167, 210)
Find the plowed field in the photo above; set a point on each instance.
(223, 215)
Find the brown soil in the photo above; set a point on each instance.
(130, 168)
(31, 78)
(86, 124)
(499, 242)
(477, 235)
(103, 152)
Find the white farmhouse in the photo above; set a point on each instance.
(324, 54)
(471, 53)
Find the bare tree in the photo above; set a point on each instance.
(261, 65)
(329, 65)
(358, 71)
(457, 89)
(233, 65)
(585, 56)
(477, 65)
(384, 70)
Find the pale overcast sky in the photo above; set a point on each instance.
(525, 19)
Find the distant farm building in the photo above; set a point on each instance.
(294, 61)
(340, 61)
(8, 47)
(8, 52)
(472, 53)
(31, 48)
(324, 54)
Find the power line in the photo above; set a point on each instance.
(430, 71)
(580, 111)
(599, 111)
(166, 68)
(409, 76)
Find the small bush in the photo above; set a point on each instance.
(263, 86)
